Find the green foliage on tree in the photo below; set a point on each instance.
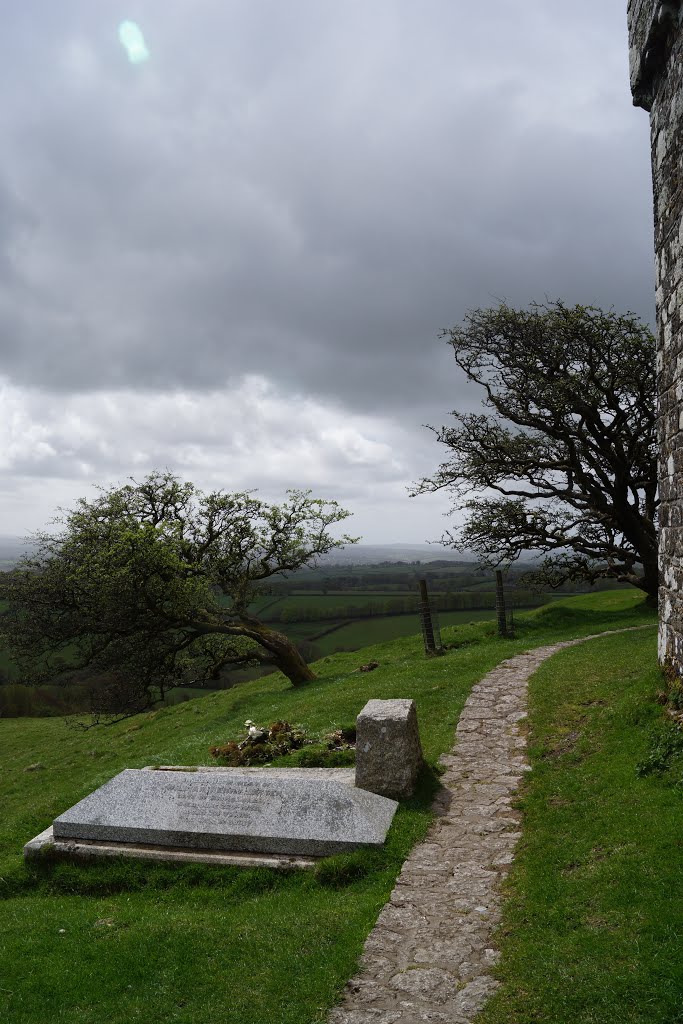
(565, 460)
(148, 586)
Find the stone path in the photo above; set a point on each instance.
(428, 958)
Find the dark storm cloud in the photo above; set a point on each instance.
(309, 191)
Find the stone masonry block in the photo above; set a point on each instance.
(656, 58)
(388, 748)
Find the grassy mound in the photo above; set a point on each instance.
(127, 941)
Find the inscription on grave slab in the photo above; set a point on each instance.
(223, 812)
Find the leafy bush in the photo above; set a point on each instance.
(672, 694)
(666, 746)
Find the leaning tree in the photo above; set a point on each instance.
(565, 461)
(151, 585)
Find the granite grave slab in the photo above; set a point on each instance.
(229, 812)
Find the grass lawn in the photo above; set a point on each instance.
(593, 929)
(122, 941)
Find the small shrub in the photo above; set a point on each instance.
(673, 688)
(229, 752)
(666, 745)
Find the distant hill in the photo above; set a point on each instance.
(11, 549)
(375, 554)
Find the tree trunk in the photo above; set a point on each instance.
(651, 581)
(284, 652)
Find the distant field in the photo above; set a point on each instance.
(344, 596)
(364, 632)
(376, 590)
(379, 630)
(316, 601)
(348, 637)
(315, 606)
(343, 609)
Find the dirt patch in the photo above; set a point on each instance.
(564, 745)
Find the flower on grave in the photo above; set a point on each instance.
(261, 745)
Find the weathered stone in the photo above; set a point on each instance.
(345, 775)
(433, 982)
(472, 997)
(221, 811)
(388, 749)
(430, 1017)
(368, 991)
(88, 850)
(342, 1016)
(656, 61)
(450, 951)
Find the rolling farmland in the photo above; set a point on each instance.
(335, 608)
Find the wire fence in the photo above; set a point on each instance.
(429, 620)
(429, 617)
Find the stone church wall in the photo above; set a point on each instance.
(656, 67)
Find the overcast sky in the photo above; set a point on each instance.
(233, 259)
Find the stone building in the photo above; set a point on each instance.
(656, 67)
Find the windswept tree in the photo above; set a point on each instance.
(150, 586)
(565, 461)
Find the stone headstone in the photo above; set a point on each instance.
(225, 811)
(388, 749)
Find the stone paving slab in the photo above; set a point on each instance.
(428, 959)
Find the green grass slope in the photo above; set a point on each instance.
(127, 942)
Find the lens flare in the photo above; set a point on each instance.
(133, 42)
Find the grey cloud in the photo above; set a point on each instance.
(306, 191)
(310, 194)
